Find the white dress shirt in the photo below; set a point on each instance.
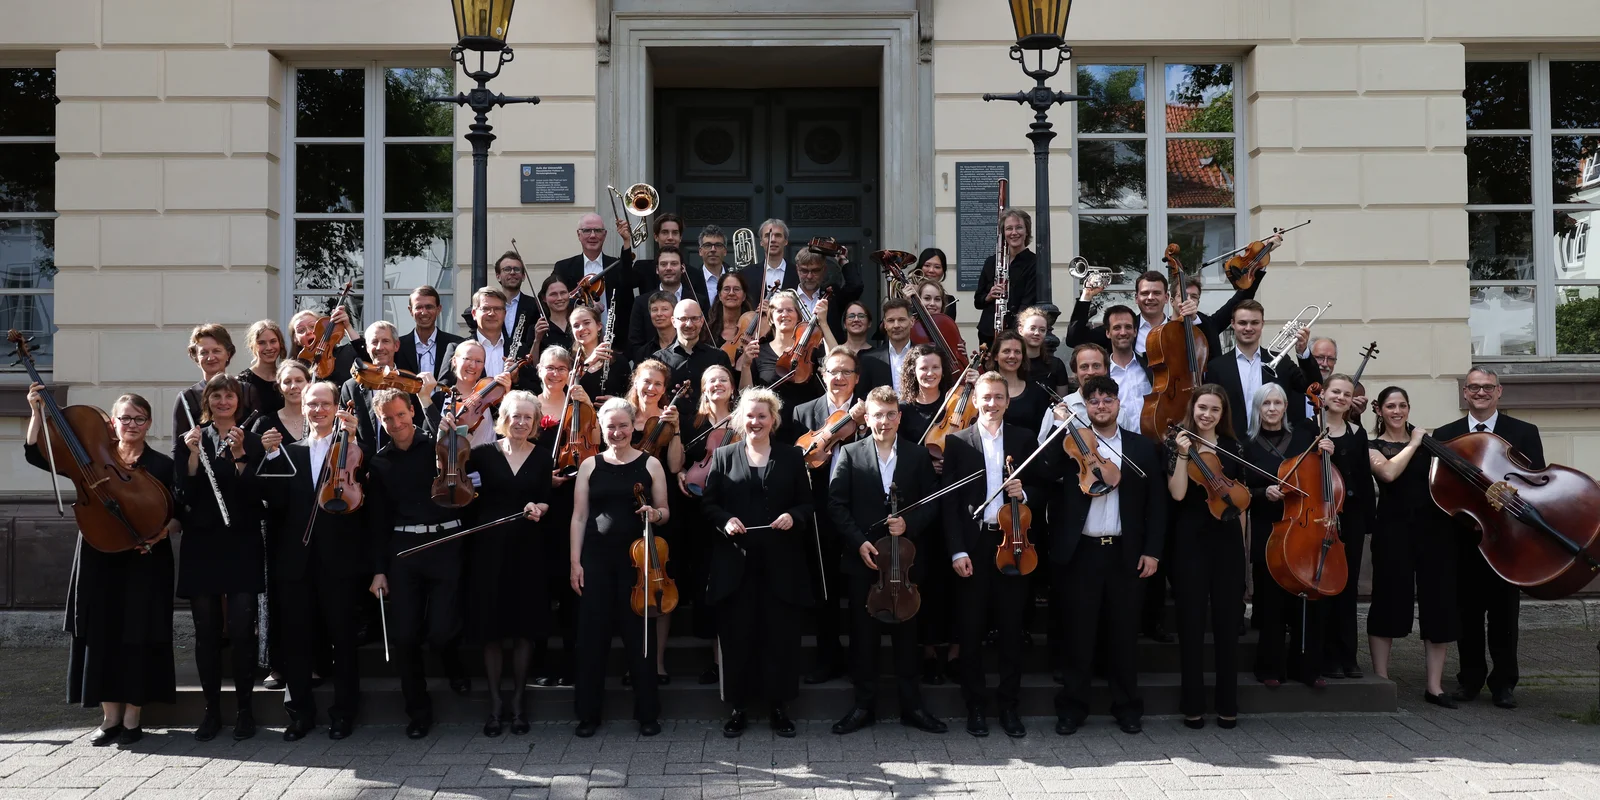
(809, 301)
(1105, 511)
(994, 462)
(1133, 383)
(1249, 380)
(885, 468)
(319, 455)
(513, 299)
(774, 274)
(1144, 332)
(1075, 407)
(711, 280)
(1488, 424)
(494, 355)
(427, 351)
(895, 362)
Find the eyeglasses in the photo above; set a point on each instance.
(134, 422)
(1481, 388)
(688, 319)
(1325, 359)
(1102, 400)
(591, 231)
(512, 270)
(856, 315)
(712, 245)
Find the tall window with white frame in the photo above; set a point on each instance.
(28, 206)
(373, 188)
(1149, 174)
(1533, 192)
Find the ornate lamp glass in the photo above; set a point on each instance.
(482, 24)
(1040, 24)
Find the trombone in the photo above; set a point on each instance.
(641, 200)
(1097, 277)
(1285, 341)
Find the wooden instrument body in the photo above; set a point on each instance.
(580, 438)
(817, 446)
(893, 598)
(375, 377)
(958, 412)
(451, 487)
(700, 471)
(108, 493)
(798, 358)
(1226, 498)
(1096, 474)
(326, 336)
(340, 492)
(1016, 554)
(656, 435)
(653, 593)
(590, 288)
(1176, 353)
(1244, 269)
(1304, 552)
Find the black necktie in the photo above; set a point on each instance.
(1481, 428)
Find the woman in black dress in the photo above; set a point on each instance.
(265, 340)
(759, 365)
(758, 577)
(606, 521)
(555, 372)
(1351, 458)
(1413, 552)
(220, 559)
(290, 422)
(922, 387)
(119, 607)
(502, 604)
(1207, 562)
(1029, 401)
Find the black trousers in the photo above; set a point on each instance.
(1339, 639)
(866, 639)
(604, 610)
(1483, 596)
(1274, 610)
(825, 616)
(1153, 613)
(1208, 569)
(208, 613)
(1006, 596)
(760, 638)
(424, 607)
(303, 605)
(1097, 585)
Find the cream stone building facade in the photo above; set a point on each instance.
(230, 160)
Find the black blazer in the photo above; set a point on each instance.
(406, 357)
(847, 288)
(339, 541)
(755, 276)
(876, 367)
(1081, 331)
(248, 405)
(1141, 501)
(856, 500)
(733, 489)
(1024, 274)
(963, 456)
(641, 333)
(1223, 370)
(1519, 434)
(618, 273)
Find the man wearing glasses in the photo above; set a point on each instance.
(618, 272)
(1481, 594)
(690, 354)
(511, 273)
(713, 249)
(489, 330)
(1325, 352)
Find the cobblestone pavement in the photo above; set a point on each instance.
(1537, 751)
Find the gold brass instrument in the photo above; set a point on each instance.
(641, 200)
(1093, 277)
(744, 247)
(1284, 343)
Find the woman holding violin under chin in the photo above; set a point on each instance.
(759, 365)
(1208, 552)
(119, 605)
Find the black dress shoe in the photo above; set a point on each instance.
(976, 724)
(1353, 672)
(1158, 634)
(273, 683)
(1194, 724)
(649, 728)
(519, 725)
(107, 736)
(923, 721)
(1066, 726)
(586, 729)
(544, 681)
(210, 724)
(662, 679)
(737, 722)
(1227, 723)
(1130, 726)
(244, 725)
(492, 727)
(461, 686)
(780, 722)
(857, 719)
(297, 729)
(564, 680)
(1464, 696)
(627, 678)
(1505, 699)
(1440, 700)
(339, 728)
(952, 669)
(824, 673)
(931, 673)
(1011, 723)
(711, 674)
(129, 736)
(418, 728)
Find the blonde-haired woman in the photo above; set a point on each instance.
(760, 366)
(265, 340)
(505, 599)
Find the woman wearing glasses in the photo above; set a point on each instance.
(119, 607)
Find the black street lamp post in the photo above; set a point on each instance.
(481, 26)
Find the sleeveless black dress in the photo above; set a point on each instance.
(507, 596)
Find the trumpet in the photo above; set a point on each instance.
(744, 247)
(1284, 343)
(640, 200)
(1096, 277)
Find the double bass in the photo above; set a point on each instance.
(326, 336)
(936, 329)
(1304, 553)
(118, 507)
(1176, 353)
(894, 598)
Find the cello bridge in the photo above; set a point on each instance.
(1499, 494)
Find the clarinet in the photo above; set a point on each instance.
(611, 330)
(205, 463)
(516, 340)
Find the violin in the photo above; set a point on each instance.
(1541, 527)
(826, 246)
(894, 598)
(451, 487)
(1368, 354)
(580, 430)
(1304, 553)
(656, 435)
(1015, 555)
(752, 325)
(339, 492)
(798, 358)
(1225, 497)
(375, 377)
(817, 446)
(1176, 353)
(590, 288)
(488, 392)
(1244, 268)
(327, 336)
(654, 594)
(700, 471)
(957, 413)
(118, 507)
(1097, 475)
(936, 329)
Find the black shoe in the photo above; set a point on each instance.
(923, 721)
(857, 719)
(1440, 700)
(711, 674)
(1227, 723)
(824, 673)
(244, 725)
(586, 729)
(1158, 634)
(1011, 723)
(627, 677)
(297, 729)
(931, 674)
(418, 728)
(662, 679)
(1464, 696)
(1066, 726)
(461, 686)
(1505, 699)
(492, 727)
(649, 728)
(1353, 672)
(545, 681)
(107, 736)
(780, 722)
(976, 724)
(339, 728)
(564, 680)
(1130, 726)
(129, 736)
(1334, 673)
(210, 724)
(519, 723)
(737, 722)
(273, 683)
(1194, 724)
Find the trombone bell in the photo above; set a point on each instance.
(642, 199)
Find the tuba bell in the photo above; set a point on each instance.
(641, 200)
(744, 247)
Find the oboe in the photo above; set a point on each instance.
(611, 330)
(205, 463)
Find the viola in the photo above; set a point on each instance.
(1225, 497)
(1541, 527)
(451, 487)
(118, 507)
(339, 492)
(817, 446)
(326, 337)
(590, 288)
(1176, 353)
(1244, 268)
(894, 598)
(375, 377)
(1097, 475)
(752, 326)
(656, 434)
(957, 413)
(1368, 354)
(700, 471)
(578, 435)
(1304, 553)
(798, 359)
(1015, 555)
(936, 329)
(486, 393)
(654, 593)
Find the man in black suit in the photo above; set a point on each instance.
(881, 363)
(972, 534)
(813, 270)
(668, 278)
(775, 268)
(488, 329)
(667, 230)
(1101, 550)
(313, 580)
(1246, 368)
(1481, 594)
(521, 312)
(690, 355)
(618, 271)
(422, 349)
(865, 475)
(713, 251)
(1152, 295)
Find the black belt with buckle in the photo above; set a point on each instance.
(1106, 540)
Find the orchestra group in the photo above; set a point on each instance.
(754, 441)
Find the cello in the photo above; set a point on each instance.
(1304, 553)
(936, 329)
(1176, 353)
(1015, 555)
(325, 339)
(894, 598)
(118, 507)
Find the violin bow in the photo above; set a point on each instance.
(932, 497)
(816, 536)
(1195, 437)
(458, 534)
(696, 440)
(1025, 462)
(1120, 456)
